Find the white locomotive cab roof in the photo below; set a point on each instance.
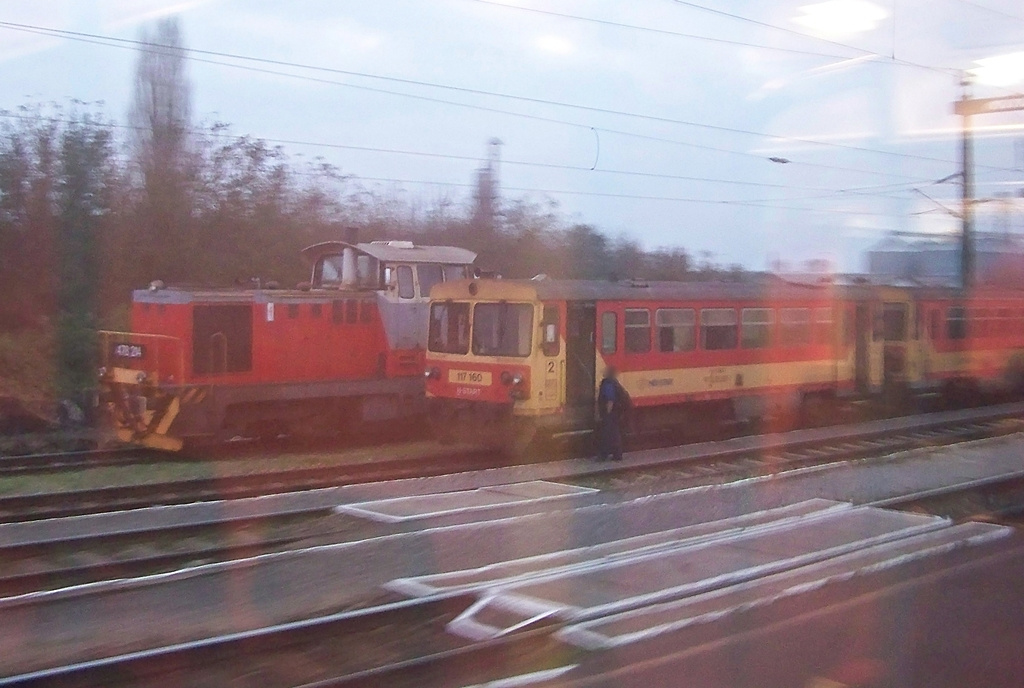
(395, 252)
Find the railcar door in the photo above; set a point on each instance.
(580, 380)
(862, 341)
(895, 333)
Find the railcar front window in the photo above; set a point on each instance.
(449, 328)
(502, 329)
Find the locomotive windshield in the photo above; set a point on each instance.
(332, 272)
(502, 329)
(449, 328)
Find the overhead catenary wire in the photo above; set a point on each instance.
(608, 130)
(992, 10)
(190, 53)
(449, 156)
(768, 204)
(882, 59)
(949, 71)
(661, 31)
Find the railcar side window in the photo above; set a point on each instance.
(637, 324)
(823, 325)
(429, 274)
(757, 328)
(956, 323)
(933, 325)
(366, 310)
(609, 332)
(894, 322)
(351, 311)
(795, 327)
(677, 329)
(449, 328)
(502, 329)
(718, 329)
(406, 290)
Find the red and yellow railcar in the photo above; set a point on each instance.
(525, 355)
(970, 344)
(344, 349)
(521, 356)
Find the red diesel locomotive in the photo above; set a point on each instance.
(345, 349)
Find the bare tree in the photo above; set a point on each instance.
(160, 118)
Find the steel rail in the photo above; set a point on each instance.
(27, 507)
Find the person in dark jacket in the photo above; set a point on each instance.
(612, 405)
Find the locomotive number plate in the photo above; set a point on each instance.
(469, 377)
(128, 351)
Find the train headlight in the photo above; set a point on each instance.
(141, 377)
(102, 372)
(506, 378)
(432, 373)
(517, 379)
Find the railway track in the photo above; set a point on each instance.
(94, 555)
(377, 639)
(999, 499)
(781, 455)
(402, 642)
(394, 643)
(60, 462)
(26, 507)
(39, 566)
(709, 460)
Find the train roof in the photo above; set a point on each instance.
(394, 252)
(634, 290)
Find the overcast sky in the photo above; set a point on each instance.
(696, 120)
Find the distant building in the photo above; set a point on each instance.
(935, 260)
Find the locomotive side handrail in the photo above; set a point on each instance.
(110, 337)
